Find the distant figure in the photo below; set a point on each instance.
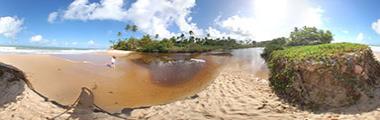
(113, 62)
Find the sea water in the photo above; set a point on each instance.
(45, 50)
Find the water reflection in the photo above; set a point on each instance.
(138, 79)
(250, 60)
(170, 69)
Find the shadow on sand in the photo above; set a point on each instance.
(11, 84)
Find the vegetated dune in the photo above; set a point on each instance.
(325, 76)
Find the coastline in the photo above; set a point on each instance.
(235, 94)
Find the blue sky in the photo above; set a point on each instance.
(93, 23)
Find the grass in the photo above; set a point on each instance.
(317, 51)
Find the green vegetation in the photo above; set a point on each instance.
(317, 51)
(275, 44)
(182, 43)
(309, 36)
(286, 65)
(299, 37)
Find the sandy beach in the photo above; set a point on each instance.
(235, 94)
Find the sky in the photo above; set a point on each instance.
(93, 23)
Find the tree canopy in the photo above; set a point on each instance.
(309, 36)
(298, 37)
(182, 43)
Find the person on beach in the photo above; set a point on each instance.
(113, 62)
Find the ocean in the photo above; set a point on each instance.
(375, 49)
(45, 50)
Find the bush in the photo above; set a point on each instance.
(309, 36)
(299, 37)
(269, 49)
(275, 44)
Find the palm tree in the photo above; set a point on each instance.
(191, 39)
(127, 28)
(132, 28)
(191, 33)
(182, 36)
(157, 36)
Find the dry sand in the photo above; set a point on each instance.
(235, 94)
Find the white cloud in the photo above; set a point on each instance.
(376, 26)
(52, 17)
(151, 16)
(270, 18)
(360, 37)
(91, 42)
(104, 10)
(10, 26)
(214, 33)
(36, 38)
(155, 16)
(274, 18)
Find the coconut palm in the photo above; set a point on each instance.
(132, 28)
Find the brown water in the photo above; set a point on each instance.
(149, 79)
(137, 80)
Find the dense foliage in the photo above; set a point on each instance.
(275, 44)
(309, 36)
(182, 43)
(286, 59)
(317, 51)
(299, 37)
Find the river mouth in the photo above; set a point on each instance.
(138, 80)
(153, 79)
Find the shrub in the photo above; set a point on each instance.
(309, 36)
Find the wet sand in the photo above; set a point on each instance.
(129, 85)
(235, 94)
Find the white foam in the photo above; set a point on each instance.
(375, 48)
(198, 60)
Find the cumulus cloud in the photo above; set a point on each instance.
(36, 38)
(10, 26)
(105, 9)
(91, 42)
(270, 18)
(52, 17)
(214, 33)
(151, 16)
(274, 18)
(376, 26)
(360, 37)
(155, 16)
